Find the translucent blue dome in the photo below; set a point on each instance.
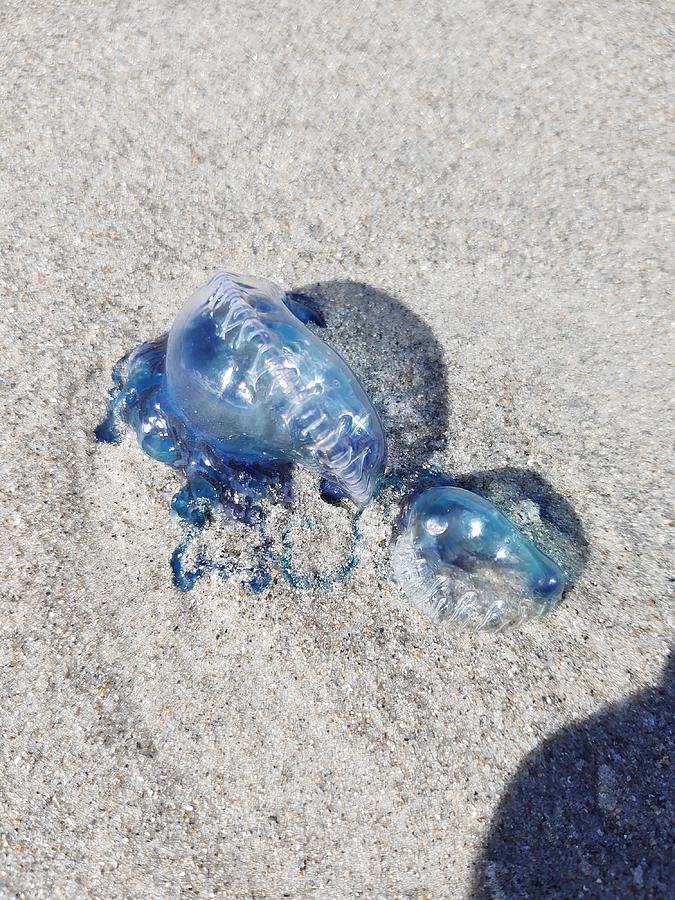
(462, 562)
(237, 393)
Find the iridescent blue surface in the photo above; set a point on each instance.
(238, 392)
(462, 561)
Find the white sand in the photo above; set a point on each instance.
(501, 171)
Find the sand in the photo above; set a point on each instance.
(480, 196)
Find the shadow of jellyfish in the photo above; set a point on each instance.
(398, 360)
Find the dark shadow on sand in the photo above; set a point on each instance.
(591, 813)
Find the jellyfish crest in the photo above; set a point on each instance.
(255, 382)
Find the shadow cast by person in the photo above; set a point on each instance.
(591, 813)
(397, 358)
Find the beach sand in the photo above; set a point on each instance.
(479, 196)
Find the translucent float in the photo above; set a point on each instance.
(463, 563)
(237, 393)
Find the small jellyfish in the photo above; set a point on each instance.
(461, 561)
(238, 392)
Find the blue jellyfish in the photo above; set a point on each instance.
(462, 562)
(238, 392)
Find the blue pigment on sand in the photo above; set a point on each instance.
(299, 580)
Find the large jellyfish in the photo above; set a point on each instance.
(238, 392)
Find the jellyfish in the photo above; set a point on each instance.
(462, 562)
(240, 391)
